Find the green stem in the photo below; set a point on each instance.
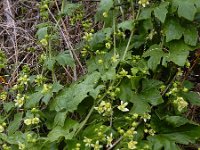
(114, 28)
(127, 46)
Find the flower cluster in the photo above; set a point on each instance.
(132, 144)
(104, 108)
(46, 88)
(144, 3)
(39, 80)
(19, 101)
(23, 79)
(88, 36)
(180, 103)
(34, 120)
(3, 95)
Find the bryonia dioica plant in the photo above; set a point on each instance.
(135, 93)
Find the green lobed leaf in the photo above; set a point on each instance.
(49, 63)
(186, 8)
(126, 25)
(59, 119)
(105, 5)
(72, 96)
(33, 99)
(160, 142)
(67, 131)
(56, 87)
(140, 105)
(68, 8)
(150, 92)
(8, 106)
(41, 33)
(173, 30)
(47, 97)
(192, 97)
(156, 54)
(191, 35)
(145, 13)
(176, 121)
(161, 11)
(178, 52)
(15, 124)
(64, 58)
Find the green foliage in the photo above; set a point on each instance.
(135, 94)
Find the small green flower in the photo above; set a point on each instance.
(123, 72)
(46, 88)
(39, 79)
(114, 58)
(146, 117)
(35, 120)
(104, 108)
(44, 42)
(180, 103)
(19, 101)
(1, 128)
(23, 79)
(3, 96)
(87, 141)
(29, 137)
(130, 132)
(100, 61)
(97, 146)
(132, 144)
(87, 36)
(122, 107)
(185, 89)
(109, 140)
(28, 122)
(108, 45)
(21, 146)
(6, 147)
(152, 132)
(105, 14)
(144, 3)
(135, 116)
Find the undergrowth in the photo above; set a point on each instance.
(114, 74)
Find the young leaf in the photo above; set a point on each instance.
(41, 33)
(64, 58)
(105, 5)
(49, 63)
(56, 87)
(68, 8)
